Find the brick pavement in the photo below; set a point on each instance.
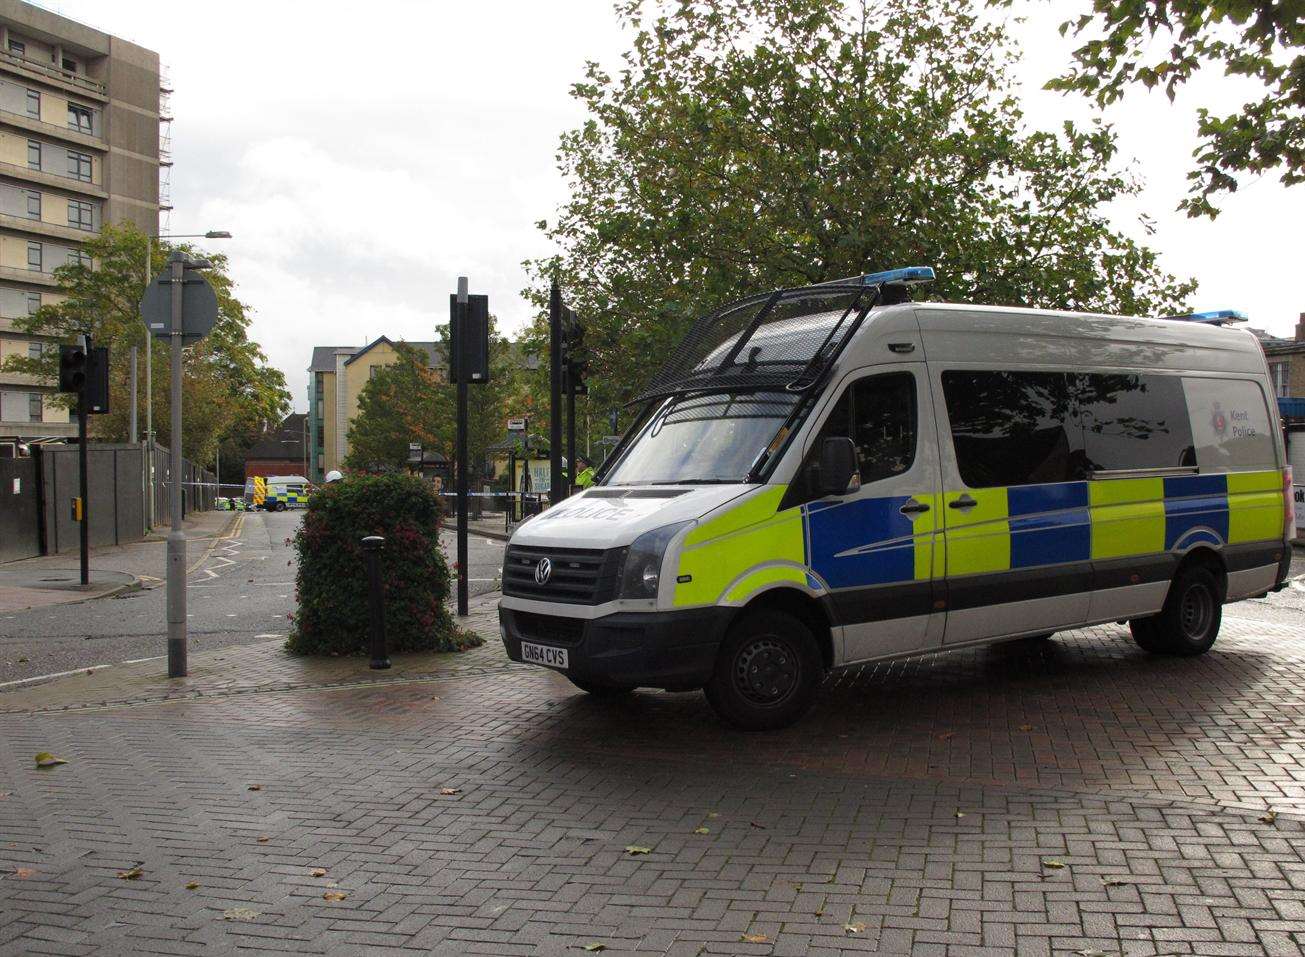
(922, 808)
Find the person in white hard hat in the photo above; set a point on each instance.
(332, 476)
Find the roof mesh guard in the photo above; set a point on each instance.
(778, 342)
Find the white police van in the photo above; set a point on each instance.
(834, 474)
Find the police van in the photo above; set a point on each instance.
(281, 492)
(833, 475)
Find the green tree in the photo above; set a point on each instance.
(398, 405)
(410, 401)
(1263, 40)
(229, 393)
(751, 144)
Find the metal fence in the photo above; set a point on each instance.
(37, 495)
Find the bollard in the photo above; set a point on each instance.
(372, 546)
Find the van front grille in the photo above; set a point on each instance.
(577, 576)
(553, 629)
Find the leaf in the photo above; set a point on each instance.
(23, 661)
(702, 830)
(634, 849)
(856, 928)
(1093, 952)
(448, 791)
(1053, 864)
(959, 815)
(759, 827)
(263, 839)
(754, 938)
(713, 815)
(334, 896)
(318, 872)
(240, 913)
(1026, 727)
(1268, 817)
(1114, 881)
(192, 885)
(23, 873)
(256, 787)
(131, 875)
(594, 948)
(47, 760)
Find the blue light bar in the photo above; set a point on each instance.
(1215, 318)
(909, 276)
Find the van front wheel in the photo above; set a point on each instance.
(767, 672)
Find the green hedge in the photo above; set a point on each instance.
(332, 584)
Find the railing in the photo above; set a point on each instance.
(36, 66)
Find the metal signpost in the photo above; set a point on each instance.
(555, 493)
(468, 363)
(179, 306)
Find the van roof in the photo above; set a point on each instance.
(963, 332)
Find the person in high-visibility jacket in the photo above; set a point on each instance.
(586, 476)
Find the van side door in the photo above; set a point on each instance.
(1017, 536)
(875, 549)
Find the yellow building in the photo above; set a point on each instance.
(336, 377)
(80, 127)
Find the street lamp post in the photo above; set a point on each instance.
(149, 362)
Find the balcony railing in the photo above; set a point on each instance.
(54, 72)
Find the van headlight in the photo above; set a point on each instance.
(642, 570)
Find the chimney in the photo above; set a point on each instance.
(1300, 328)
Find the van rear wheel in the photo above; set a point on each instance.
(766, 673)
(1189, 622)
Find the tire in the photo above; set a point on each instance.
(280, 506)
(1189, 622)
(767, 672)
(599, 690)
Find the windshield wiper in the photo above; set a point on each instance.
(703, 481)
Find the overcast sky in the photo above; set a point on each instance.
(363, 164)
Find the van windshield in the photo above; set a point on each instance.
(704, 439)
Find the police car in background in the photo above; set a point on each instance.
(833, 475)
(282, 492)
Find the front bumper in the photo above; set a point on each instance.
(675, 650)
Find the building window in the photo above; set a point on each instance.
(33, 303)
(79, 166)
(36, 406)
(1278, 374)
(70, 65)
(33, 103)
(34, 257)
(33, 154)
(33, 204)
(372, 371)
(18, 47)
(35, 350)
(80, 118)
(81, 215)
(77, 257)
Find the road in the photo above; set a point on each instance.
(240, 594)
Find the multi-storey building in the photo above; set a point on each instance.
(336, 377)
(79, 147)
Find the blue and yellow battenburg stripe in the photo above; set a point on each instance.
(868, 542)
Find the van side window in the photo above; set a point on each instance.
(1135, 422)
(878, 413)
(1230, 419)
(1013, 428)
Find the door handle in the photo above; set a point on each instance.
(963, 502)
(911, 505)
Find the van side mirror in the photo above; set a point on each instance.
(838, 467)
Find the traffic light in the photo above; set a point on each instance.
(96, 390)
(72, 368)
(577, 356)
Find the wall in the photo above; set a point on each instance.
(329, 458)
(19, 528)
(116, 506)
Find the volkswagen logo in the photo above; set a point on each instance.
(543, 571)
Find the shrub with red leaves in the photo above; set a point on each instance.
(332, 587)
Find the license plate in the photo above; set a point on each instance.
(545, 655)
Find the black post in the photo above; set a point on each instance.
(372, 546)
(512, 484)
(555, 493)
(460, 317)
(571, 470)
(83, 466)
